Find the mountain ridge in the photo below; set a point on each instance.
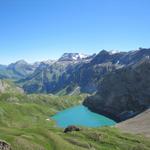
(71, 70)
(123, 93)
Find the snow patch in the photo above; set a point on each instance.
(113, 52)
(73, 56)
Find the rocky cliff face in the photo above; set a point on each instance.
(123, 93)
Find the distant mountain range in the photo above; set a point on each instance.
(118, 81)
(72, 73)
(17, 70)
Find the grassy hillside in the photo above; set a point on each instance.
(24, 124)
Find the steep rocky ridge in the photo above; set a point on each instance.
(123, 93)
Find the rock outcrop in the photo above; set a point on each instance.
(4, 145)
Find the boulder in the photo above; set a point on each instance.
(71, 128)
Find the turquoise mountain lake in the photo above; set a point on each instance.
(81, 116)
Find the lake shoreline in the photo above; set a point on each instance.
(81, 116)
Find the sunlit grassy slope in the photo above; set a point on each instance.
(24, 124)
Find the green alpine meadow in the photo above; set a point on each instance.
(25, 123)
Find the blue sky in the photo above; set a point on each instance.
(36, 30)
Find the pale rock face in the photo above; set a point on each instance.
(2, 86)
(123, 93)
(4, 145)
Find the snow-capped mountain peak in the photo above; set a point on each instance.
(73, 57)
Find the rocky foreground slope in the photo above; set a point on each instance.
(139, 124)
(27, 127)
